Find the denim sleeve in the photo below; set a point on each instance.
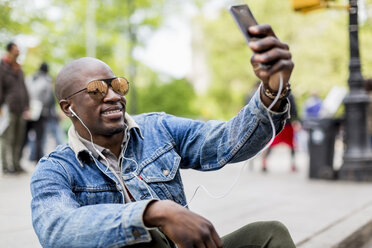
(59, 221)
(211, 145)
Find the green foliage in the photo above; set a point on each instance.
(319, 43)
(175, 97)
(229, 60)
(6, 22)
(61, 28)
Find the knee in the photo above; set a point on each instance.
(269, 227)
(276, 227)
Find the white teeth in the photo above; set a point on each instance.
(112, 112)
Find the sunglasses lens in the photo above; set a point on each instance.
(120, 85)
(97, 88)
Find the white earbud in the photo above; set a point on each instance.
(72, 112)
(90, 134)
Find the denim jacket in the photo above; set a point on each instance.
(78, 202)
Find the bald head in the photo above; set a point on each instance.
(77, 73)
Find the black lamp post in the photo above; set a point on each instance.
(357, 164)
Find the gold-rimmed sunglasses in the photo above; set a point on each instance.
(98, 88)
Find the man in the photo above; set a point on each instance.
(14, 94)
(41, 94)
(117, 181)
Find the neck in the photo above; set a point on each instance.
(11, 59)
(112, 142)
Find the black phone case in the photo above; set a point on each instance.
(244, 18)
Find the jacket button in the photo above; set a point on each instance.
(136, 233)
(165, 172)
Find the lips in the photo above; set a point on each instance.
(113, 112)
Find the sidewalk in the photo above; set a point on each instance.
(317, 213)
(15, 213)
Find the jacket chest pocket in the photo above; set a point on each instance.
(163, 176)
(97, 195)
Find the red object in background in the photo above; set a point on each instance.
(285, 136)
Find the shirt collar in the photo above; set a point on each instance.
(132, 124)
(80, 145)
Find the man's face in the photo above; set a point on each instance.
(103, 117)
(14, 51)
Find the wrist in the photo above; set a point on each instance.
(155, 213)
(272, 94)
(267, 101)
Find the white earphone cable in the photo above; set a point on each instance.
(104, 157)
(246, 162)
(91, 137)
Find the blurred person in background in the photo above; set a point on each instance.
(40, 90)
(310, 111)
(312, 107)
(286, 136)
(53, 128)
(14, 94)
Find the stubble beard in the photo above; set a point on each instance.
(116, 130)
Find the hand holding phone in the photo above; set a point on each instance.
(271, 57)
(245, 19)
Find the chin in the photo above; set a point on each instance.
(115, 130)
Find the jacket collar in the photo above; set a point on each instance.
(81, 146)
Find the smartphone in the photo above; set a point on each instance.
(244, 18)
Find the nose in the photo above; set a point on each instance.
(111, 96)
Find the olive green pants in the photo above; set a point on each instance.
(11, 143)
(266, 234)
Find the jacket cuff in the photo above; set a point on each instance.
(134, 228)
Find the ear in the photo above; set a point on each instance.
(65, 104)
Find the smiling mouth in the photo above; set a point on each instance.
(112, 112)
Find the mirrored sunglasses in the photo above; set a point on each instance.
(98, 88)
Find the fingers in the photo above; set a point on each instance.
(270, 54)
(205, 236)
(261, 31)
(216, 239)
(263, 44)
(210, 238)
(266, 72)
(183, 227)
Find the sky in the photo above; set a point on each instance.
(169, 49)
